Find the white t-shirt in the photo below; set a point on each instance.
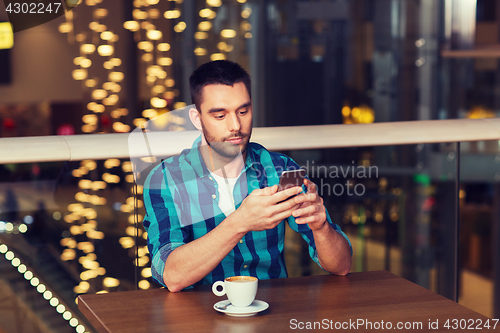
(226, 188)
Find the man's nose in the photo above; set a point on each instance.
(234, 124)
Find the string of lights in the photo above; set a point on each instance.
(41, 288)
(14, 228)
(104, 116)
(154, 34)
(211, 33)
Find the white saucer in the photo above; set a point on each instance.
(247, 311)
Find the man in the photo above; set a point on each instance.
(215, 210)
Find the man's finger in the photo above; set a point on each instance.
(266, 190)
(305, 197)
(286, 204)
(311, 187)
(283, 195)
(307, 219)
(284, 214)
(308, 210)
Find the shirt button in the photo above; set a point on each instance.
(214, 196)
(241, 241)
(245, 266)
(210, 178)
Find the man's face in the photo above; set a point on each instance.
(226, 118)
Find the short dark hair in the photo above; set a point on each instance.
(217, 72)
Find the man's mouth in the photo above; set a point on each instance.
(235, 141)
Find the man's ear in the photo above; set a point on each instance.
(194, 115)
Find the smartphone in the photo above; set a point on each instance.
(291, 178)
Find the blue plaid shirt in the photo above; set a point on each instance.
(181, 201)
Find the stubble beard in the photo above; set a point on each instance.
(226, 149)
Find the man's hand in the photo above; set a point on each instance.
(311, 210)
(334, 253)
(265, 208)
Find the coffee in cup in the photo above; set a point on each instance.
(240, 290)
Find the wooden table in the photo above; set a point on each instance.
(365, 301)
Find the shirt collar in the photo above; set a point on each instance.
(252, 159)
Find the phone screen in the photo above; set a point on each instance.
(291, 178)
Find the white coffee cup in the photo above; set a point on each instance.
(240, 290)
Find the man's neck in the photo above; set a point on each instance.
(226, 167)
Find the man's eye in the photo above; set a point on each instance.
(243, 111)
(220, 116)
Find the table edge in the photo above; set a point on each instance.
(91, 316)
